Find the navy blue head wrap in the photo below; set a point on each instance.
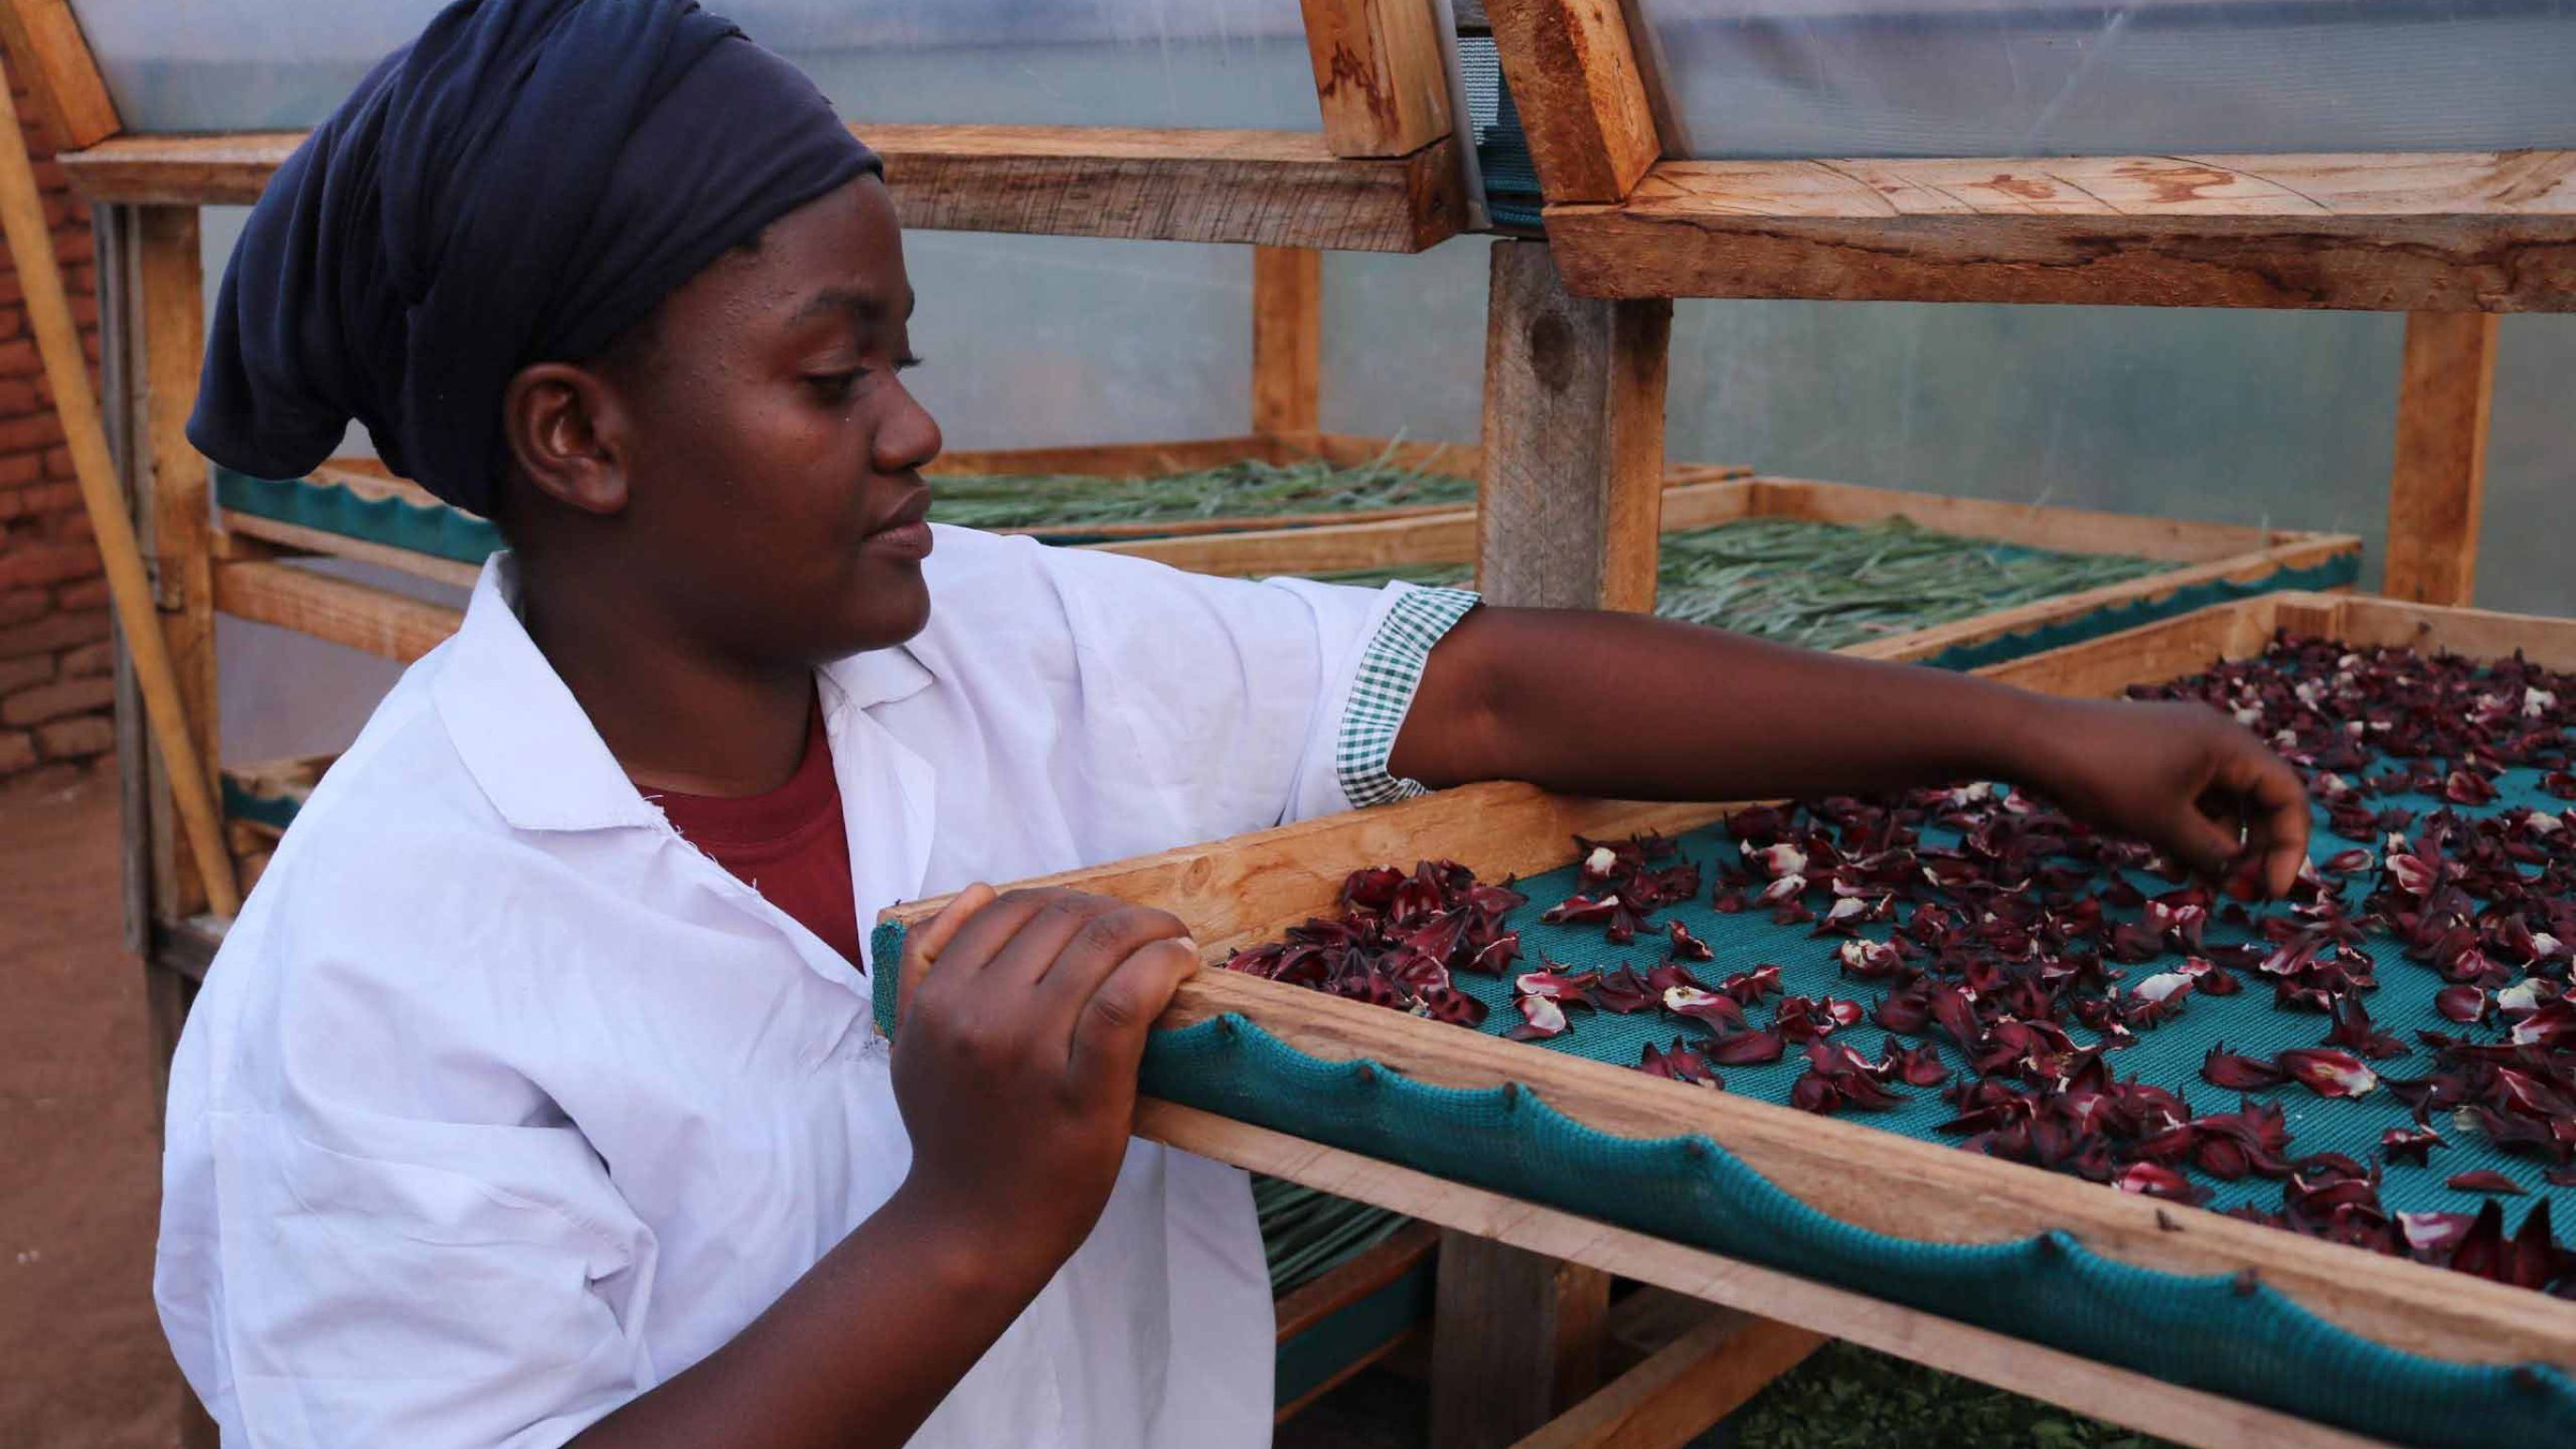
(521, 184)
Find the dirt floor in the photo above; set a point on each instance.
(79, 1169)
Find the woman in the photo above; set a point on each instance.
(533, 1098)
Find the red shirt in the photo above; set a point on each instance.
(789, 844)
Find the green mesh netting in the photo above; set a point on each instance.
(2262, 1347)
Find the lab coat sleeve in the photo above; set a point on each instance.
(1280, 698)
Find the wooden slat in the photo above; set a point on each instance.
(2424, 232)
(1109, 460)
(380, 622)
(1311, 1303)
(1345, 1285)
(1690, 1384)
(1272, 188)
(297, 537)
(2032, 525)
(1569, 505)
(1572, 68)
(2188, 643)
(170, 283)
(1515, 1340)
(1913, 1189)
(2134, 1400)
(1378, 75)
(1246, 889)
(47, 50)
(1403, 536)
(1287, 339)
(2437, 489)
(2261, 564)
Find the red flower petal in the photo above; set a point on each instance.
(2327, 1073)
(2483, 1181)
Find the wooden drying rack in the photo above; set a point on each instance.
(1571, 465)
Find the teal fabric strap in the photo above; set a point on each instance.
(1390, 671)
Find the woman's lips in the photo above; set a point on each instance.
(903, 540)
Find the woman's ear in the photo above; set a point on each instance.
(566, 431)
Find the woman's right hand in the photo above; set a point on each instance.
(1022, 1019)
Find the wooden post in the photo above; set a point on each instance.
(129, 586)
(1515, 1341)
(53, 57)
(1287, 339)
(1574, 441)
(1572, 495)
(178, 523)
(1573, 72)
(1378, 75)
(2438, 486)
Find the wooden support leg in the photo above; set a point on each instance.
(1287, 339)
(1572, 497)
(1674, 1396)
(2438, 486)
(1515, 1339)
(177, 521)
(1574, 440)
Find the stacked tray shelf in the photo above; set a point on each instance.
(1870, 1204)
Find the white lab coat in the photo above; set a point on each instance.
(502, 1103)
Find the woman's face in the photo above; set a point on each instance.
(773, 481)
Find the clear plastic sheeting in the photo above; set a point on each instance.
(237, 65)
(1781, 78)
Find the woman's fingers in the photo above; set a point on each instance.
(2275, 807)
(922, 946)
(1109, 1037)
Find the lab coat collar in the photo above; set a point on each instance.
(527, 741)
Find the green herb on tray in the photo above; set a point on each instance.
(1247, 489)
(1830, 584)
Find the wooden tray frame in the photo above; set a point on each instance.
(2209, 552)
(1238, 892)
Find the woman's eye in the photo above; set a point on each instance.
(834, 386)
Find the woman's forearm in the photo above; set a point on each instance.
(1644, 708)
(855, 1355)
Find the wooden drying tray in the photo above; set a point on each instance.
(2207, 552)
(1269, 188)
(1250, 889)
(253, 581)
(2435, 232)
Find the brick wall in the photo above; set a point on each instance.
(56, 659)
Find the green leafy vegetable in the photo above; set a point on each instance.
(1068, 503)
(1830, 584)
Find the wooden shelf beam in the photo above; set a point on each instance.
(378, 621)
(1269, 188)
(1678, 1392)
(2427, 232)
(2133, 1400)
